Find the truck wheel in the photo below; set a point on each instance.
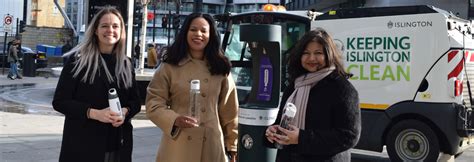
(412, 140)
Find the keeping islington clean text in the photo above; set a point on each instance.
(378, 58)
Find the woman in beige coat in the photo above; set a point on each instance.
(195, 54)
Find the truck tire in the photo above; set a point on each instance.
(412, 140)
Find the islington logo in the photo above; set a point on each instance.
(411, 24)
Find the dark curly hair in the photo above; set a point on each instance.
(219, 64)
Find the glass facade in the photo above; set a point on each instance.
(210, 6)
(161, 8)
(247, 8)
(72, 10)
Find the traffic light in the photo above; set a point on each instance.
(22, 26)
(176, 21)
(137, 14)
(137, 19)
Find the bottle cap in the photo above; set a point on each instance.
(290, 109)
(112, 93)
(195, 84)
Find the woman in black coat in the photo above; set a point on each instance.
(92, 131)
(327, 123)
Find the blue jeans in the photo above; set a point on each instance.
(13, 70)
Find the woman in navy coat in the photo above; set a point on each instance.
(92, 132)
(327, 123)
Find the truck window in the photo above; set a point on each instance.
(239, 52)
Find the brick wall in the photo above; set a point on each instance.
(45, 35)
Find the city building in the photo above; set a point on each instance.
(157, 32)
(13, 8)
(75, 13)
(463, 8)
(44, 13)
(28, 15)
(38, 13)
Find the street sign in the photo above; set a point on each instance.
(7, 23)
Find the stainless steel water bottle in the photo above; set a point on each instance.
(114, 102)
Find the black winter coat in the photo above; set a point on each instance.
(87, 139)
(332, 123)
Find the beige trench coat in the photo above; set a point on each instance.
(168, 97)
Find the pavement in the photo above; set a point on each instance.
(30, 131)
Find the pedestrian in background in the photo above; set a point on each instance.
(13, 61)
(152, 58)
(327, 123)
(195, 54)
(164, 23)
(136, 57)
(159, 55)
(66, 47)
(157, 47)
(92, 131)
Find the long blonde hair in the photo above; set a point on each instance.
(88, 57)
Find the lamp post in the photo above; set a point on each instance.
(143, 33)
(154, 20)
(178, 6)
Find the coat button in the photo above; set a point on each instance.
(203, 110)
(205, 80)
(203, 94)
(204, 139)
(189, 138)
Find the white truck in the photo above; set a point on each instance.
(411, 66)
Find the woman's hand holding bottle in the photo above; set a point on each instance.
(106, 116)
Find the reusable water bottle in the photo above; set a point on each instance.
(194, 99)
(114, 102)
(265, 77)
(287, 117)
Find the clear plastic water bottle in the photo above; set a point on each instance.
(287, 117)
(114, 102)
(194, 97)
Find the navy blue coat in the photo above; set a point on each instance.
(87, 139)
(332, 120)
